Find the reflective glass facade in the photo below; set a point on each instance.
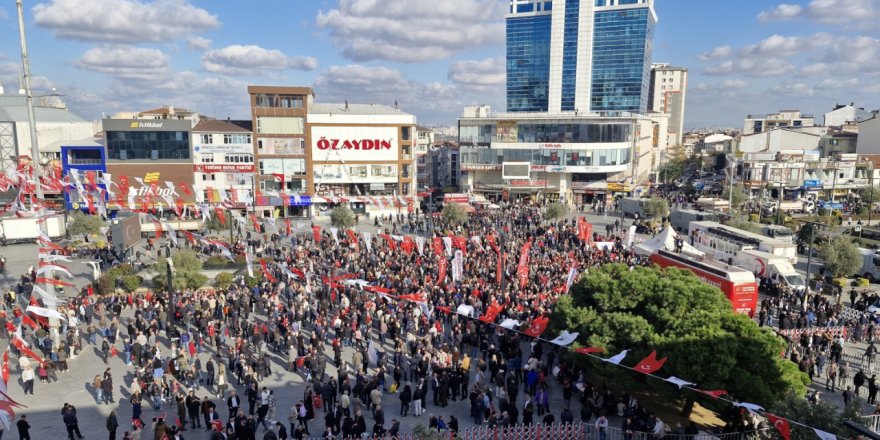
(569, 53)
(549, 157)
(485, 134)
(528, 63)
(623, 42)
(152, 145)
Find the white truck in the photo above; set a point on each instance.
(682, 218)
(870, 264)
(778, 232)
(633, 207)
(778, 269)
(712, 204)
(25, 229)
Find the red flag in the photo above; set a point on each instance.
(178, 208)
(255, 222)
(23, 348)
(316, 232)
(113, 350)
(584, 229)
(459, 242)
(5, 367)
(279, 178)
(491, 312)
(220, 215)
(441, 270)
(266, 271)
(52, 281)
(650, 364)
(185, 188)
(714, 393)
(522, 272)
(537, 327)
(589, 350)
(408, 245)
(158, 225)
(389, 241)
(491, 239)
(498, 273)
(26, 320)
(438, 246)
(288, 226)
(781, 425)
(352, 236)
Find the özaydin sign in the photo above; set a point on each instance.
(333, 144)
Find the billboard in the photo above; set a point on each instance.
(515, 170)
(336, 144)
(125, 232)
(506, 131)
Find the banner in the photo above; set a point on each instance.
(584, 229)
(441, 270)
(458, 265)
(631, 236)
(420, 243)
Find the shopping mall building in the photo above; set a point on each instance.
(575, 157)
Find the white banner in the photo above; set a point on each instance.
(420, 243)
(631, 236)
(458, 265)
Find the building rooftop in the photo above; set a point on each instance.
(18, 113)
(219, 126)
(167, 110)
(356, 109)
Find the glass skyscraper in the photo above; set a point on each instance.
(579, 55)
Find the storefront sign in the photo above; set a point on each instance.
(456, 198)
(478, 167)
(146, 124)
(616, 187)
(812, 183)
(223, 168)
(539, 168)
(335, 144)
(225, 148)
(523, 182)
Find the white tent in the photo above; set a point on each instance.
(666, 241)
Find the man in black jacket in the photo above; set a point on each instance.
(23, 428)
(112, 424)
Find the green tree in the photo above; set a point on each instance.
(342, 217)
(555, 210)
(825, 416)
(131, 282)
(214, 224)
(223, 280)
(689, 321)
(740, 195)
(453, 214)
(187, 271)
(83, 224)
(841, 256)
(656, 208)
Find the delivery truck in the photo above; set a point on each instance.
(633, 207)
(682, 218)
(27, 229)
(723, 242)
(870, 264)
(765, 265)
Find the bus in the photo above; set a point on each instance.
(738, 285)
(723, 243)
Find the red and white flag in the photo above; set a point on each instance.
(650, 364)
(56, 268)
(781, 425)
(537, 327)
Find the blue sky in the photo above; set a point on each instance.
(432, 58)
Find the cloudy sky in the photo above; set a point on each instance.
(432, 57)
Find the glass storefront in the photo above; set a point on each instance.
(151, 145)
(560, 157)
(485, 134)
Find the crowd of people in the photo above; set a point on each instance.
(200, 358)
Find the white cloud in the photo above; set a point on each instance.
(797, 89)
(491, 72)
(733, 84)
(433, 101)
(198, 43)
(836, 83)
(413, 30)
(125, 62)
(718, 52)
(123, 21)
(781, 12)
(752, 67)
(858, 14)
(240, 60)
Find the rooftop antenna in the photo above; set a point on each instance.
(26, 81)
(346, 105)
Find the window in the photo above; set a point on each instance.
(236, 138)
(239, 158)
(404, 133)
(207, 138)
(153, 145)
(279, 125)
(207, 158)
(281, 145)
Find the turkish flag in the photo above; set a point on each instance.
(5, 367)
(437, 244)
(185, 188)
(255, 222)
(781, 425)
(441, 270)
(650, 364)
(352, 237)
(714, 393)
(26, 320)
(491, 240)
(23, 348)
(491, 312)
(316, 232)
(288, 226)
(537, 327)
(408, 245)
(589, 350)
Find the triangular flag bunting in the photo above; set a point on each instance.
(781, 425)
(650, 364)
(617, 358)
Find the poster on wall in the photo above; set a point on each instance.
(506, 131)
(335, 144)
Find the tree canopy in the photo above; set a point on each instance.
(740, 195)
(656, 208)
(187, 271)
(341, 217)
(453, 214)
(83, 224)
(691, 322)
(555, 210)
(841, 256)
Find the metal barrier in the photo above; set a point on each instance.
(577, 431)
(871, 422)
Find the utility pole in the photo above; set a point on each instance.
(779, 203)
(32, 119)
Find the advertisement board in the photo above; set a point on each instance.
(334, 144)
(515, 170)
(506, 131)
(224, 168)
(224, 148)
(126, 232)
